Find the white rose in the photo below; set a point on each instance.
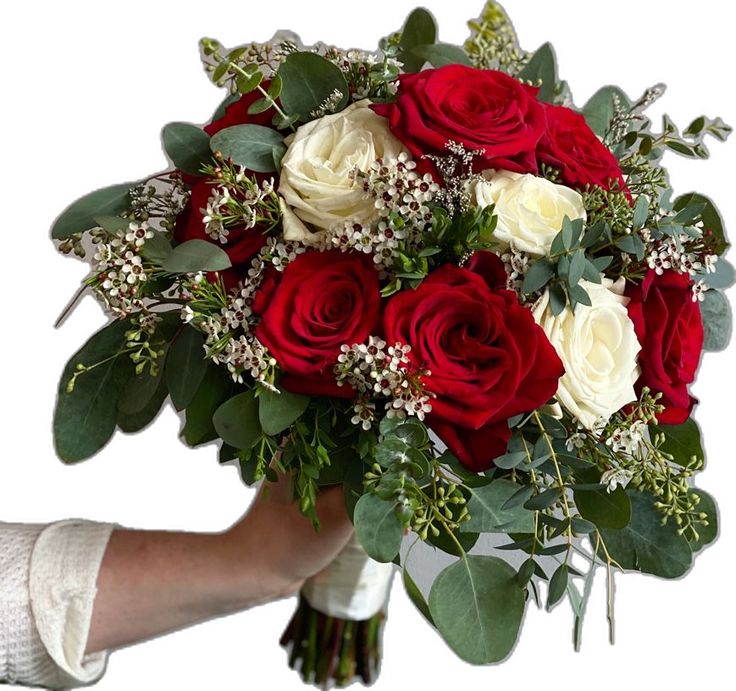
(599, 349)
(530, 209)
(317, 186)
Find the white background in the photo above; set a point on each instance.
(85, 90)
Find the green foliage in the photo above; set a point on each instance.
(130, 422)
(236, 420)
(415, 595)
(681, 442)
(85, 417)
(645, 544)
(706, 532)
(254, 147)
(487, 514)
(196, 255)
(558, 585)
(605, 509)
(419, 31)
(485, 590)
(311, 86)
(712, 220)
(188, 146)
(601, 107)
(717, 321)
(185, 366)
(80, 216)
(541, 70)
(378, 528)
(215, 388)
(440, 54)
(277, 410)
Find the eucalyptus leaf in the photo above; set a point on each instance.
(130, 423)
(187, 145)
(487, 514)
(236, 420)
(185, 366)
(605, 509)
(196, 255)
(539, 274)
(308, 81)
(215, 388)
(85, 418)
(440, 54)
(557, 586)
(278, 410)
(477, 605)
(599, 110)
(378, 528)
(646, 545)
(420, 29)
(250, 146)
(415, 595)
(682, 442)
(542, 69)
(717, 321)
(80, 216)
(156, 249)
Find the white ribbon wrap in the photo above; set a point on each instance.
(353, 586)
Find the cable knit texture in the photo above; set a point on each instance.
(48, 576)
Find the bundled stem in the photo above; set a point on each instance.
(329, 651)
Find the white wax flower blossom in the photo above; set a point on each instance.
(317, 185)
(598, 347)
(530, 209)
(616, 478)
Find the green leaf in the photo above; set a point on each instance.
(543, 500)
(415, 595)
(717, 321)
(277, 411)
(488, 516)
(412, 432)
(440, 54)
(646, 545)
(557, 585)
(420, 29)
(250, 146)
(641, 212)
(308, 80)
(542, 67)
(156, 249)
(712, 221)
(377, 527)
(723, 277)
(227, 101)
(539, 274)
(136, 421)
(599, 110)
(605, 509)
(188, 146)
(236, 420)
(85, 419)
(80, 216)
(216, 386)
(138, 391)
(185, 366)
(477, 605)
(682, 442)
(706, 533)
(196, 255)
(577, 268)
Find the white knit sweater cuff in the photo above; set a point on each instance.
(63, 583)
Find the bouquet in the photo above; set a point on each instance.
(421, 273)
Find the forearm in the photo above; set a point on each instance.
(154, 582)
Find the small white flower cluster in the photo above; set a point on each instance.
(516, 264)
(673, 254)
(235, 203)
(119, 268)
(616, 477)
(380, 240)
(375, 371)
(456, 170)
(329, 105)
(247, 354)
(627, 440)
(276, 252)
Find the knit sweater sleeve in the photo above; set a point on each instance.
(48, 576)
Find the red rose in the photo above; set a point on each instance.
(242, 243)
(488, 358)
(481, 109)
(570, 146)
(669, 327)
(323, 300)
